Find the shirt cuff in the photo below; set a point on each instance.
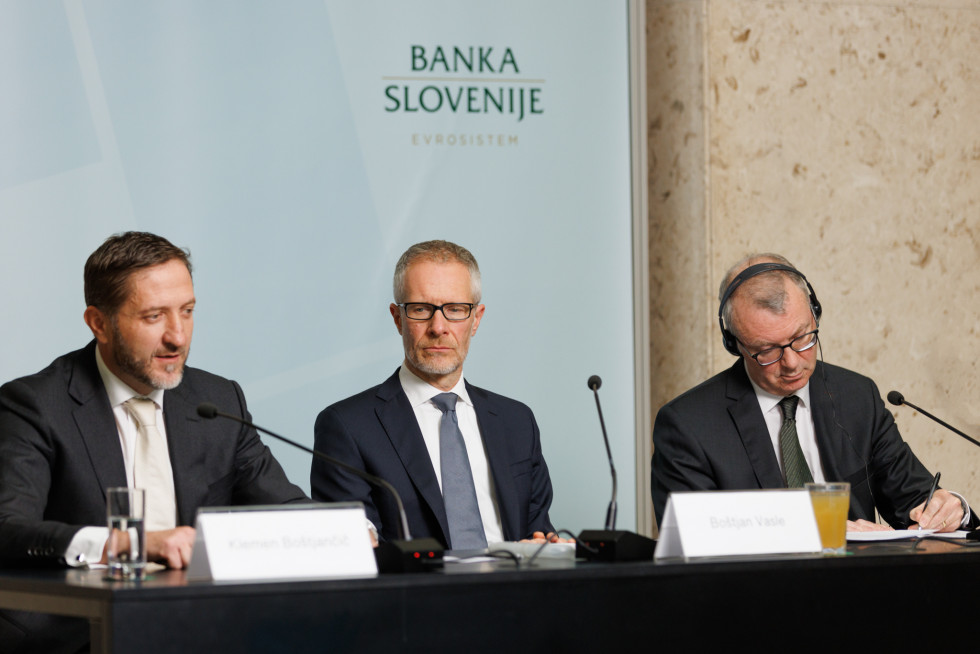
(86, 546)
(965, 522)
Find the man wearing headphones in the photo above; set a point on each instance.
(733, 431)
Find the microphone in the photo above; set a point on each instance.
(609, 544)
(403, 555)
(594, 383)
(898, 399)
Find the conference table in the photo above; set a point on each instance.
(895, 594)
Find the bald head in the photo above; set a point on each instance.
(767, 290)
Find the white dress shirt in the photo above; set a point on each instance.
(769, 404)
(89, 542)
(429, 417)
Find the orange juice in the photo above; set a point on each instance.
(830, 503)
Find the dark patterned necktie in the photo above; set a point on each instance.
(458, 491)
(795, 468)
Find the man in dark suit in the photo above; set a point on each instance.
(728, 433)
(398, 430)
(67, 434)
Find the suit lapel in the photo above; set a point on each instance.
(835, 451)
(95, 422)
(187, 452)
(751, 426)
(397, 417)
(497, 456)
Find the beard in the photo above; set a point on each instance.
(142, 369)
(434, 367)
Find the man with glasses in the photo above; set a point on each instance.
(466, 462)
(779, 418)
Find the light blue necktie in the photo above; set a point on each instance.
(458, 491)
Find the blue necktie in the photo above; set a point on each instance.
(458, 491)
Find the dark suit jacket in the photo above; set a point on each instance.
(60, 450)
(715, 437)
(376, 431)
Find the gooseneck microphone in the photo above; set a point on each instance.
(595, 383)
(210, 411)
(609, 544)
(402, 555)
(898, 399)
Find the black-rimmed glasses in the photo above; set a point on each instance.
(453, 311)
(771, 355)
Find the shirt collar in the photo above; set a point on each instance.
(118, 390)
(420, 391)
(768, 401)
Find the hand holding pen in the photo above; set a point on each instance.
(941, 511)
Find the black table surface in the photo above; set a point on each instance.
(881, 593)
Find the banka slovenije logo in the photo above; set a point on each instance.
(471, 80)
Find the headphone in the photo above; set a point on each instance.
(727, 337)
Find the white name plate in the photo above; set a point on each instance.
(294, 541)
(732, 523)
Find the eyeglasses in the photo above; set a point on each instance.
(453, 311)
(771, 355)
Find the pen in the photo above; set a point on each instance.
(932, 491)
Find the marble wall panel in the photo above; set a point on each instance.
(679, 297)
(845, 136)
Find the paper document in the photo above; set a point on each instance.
(898, 534)
(520, 550)
(527, 550)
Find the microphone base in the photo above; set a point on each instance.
(613, 546)
(417, 555)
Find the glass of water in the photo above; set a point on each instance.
(125, 509)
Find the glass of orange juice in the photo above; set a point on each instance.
(830, 501)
